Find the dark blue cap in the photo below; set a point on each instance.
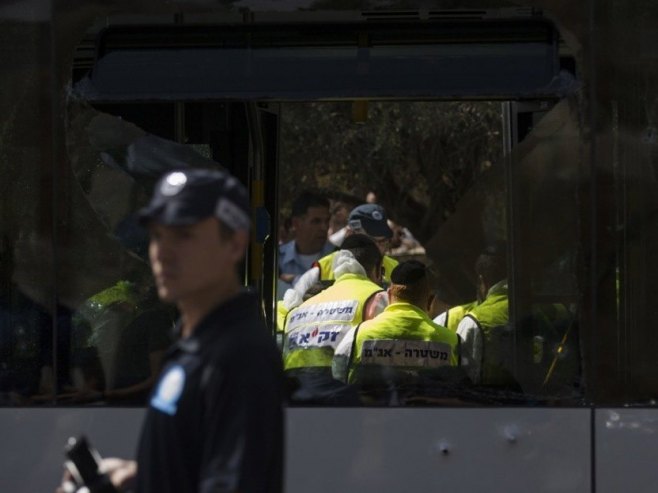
(188, 196)
(370, 218)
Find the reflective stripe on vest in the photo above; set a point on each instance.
(492, 316)
(316, 327)
(457, 313)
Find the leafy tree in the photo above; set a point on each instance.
(419, 158)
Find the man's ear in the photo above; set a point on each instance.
(294, 222)
(388, 293)
(378, 273)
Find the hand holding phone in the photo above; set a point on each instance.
(84, 465)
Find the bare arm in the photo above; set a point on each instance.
(375, 305)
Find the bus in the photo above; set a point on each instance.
(526, 128)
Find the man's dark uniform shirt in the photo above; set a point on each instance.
(214, 422)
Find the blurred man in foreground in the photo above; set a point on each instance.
(214, 422)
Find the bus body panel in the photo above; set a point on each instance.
(347, 449)
(33, 440)
(383, 450)
(395, 450)
(626, 450)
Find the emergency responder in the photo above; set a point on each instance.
(130, 330)
(367, 219)
(486, 325)
(488, 339)
(214, 422)
(316, 327)
(401, 338)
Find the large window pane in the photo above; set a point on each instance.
(567, 195)
(29, 309)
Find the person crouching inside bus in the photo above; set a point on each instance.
(403, 340)
(316, 327)
(215, 418)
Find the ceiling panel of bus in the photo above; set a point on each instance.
(438, 59)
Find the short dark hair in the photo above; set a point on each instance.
(315, 288)
(365, 251)
(492, 266)
(409, 282)
(306, 200)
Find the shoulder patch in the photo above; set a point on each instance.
(169, 390)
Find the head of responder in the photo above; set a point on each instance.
(410, 284)
(490, 268)
(366, 253)
(371, 220)
(198, 221)
(402, 338)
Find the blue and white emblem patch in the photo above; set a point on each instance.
(169, 390)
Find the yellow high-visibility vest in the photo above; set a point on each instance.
(316, 327)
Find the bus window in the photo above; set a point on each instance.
(477, 136)
(444, 173)
(30, 307)
(26, 326)
(466, 203)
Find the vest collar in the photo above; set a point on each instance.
(351, 276)
(403, 306)
(497, 289)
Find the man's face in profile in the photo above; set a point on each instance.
(191, 261)
(311, 230)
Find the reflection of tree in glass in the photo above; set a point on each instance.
(418, 157)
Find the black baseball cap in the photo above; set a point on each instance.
(370, 218)
(188, 196)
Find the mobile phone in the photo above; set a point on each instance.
(84, 464)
